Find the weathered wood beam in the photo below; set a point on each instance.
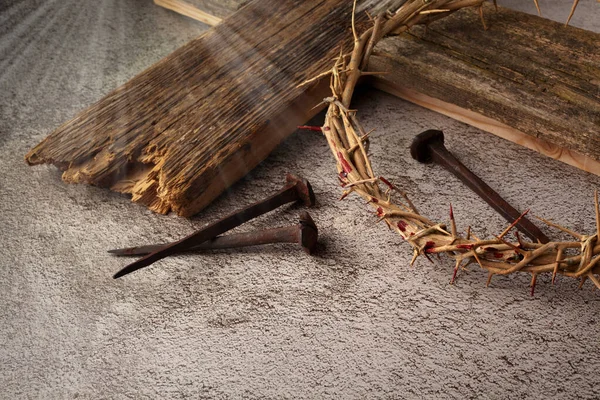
(526, 79)
(397, 55)
(181, 132)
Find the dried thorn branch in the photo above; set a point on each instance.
(575, 3)
(347, 141)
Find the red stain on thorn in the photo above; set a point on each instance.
(345, 165)
(402, 225)
(429, 247)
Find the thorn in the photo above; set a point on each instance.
(414, 258)
(456, 267)
(512, 246)
(452, 222)
(537, 5)
(485, 28)
(533, 282)
(583, 279)
(367, 73)
(453, 276)
(559, 253)
(489, 280)
(562, 228)
(572, 12)
(469, 232)
(477, 258)
(519, 239)
(496, 5)
(388, 224)
(513, 224)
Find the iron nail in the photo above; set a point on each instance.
(294, 189)
(429, 146)
(305, 233)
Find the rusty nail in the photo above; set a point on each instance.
(295, 189)
(305, 233)
(429, 146)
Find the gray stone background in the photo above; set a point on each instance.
(354, 321)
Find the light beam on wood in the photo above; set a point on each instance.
(180, 133)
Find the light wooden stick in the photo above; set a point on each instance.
(183, 8)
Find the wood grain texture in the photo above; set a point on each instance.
(585, 163)
(527, 79)
(543, 146)
(181, 132)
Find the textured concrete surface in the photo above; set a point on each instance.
(354, 321)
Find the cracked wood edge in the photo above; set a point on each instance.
(181, 132)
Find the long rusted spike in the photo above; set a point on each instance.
(295, 189)
(572, 12)
(428, 146)
(533, 282)
(304, 232)
(583, 279)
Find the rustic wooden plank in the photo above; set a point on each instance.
(395, 85)
(527, 79)
(498, 128)
(182, 131)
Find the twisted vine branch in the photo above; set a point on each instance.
(348, 140)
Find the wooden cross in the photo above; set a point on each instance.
(181, 132)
